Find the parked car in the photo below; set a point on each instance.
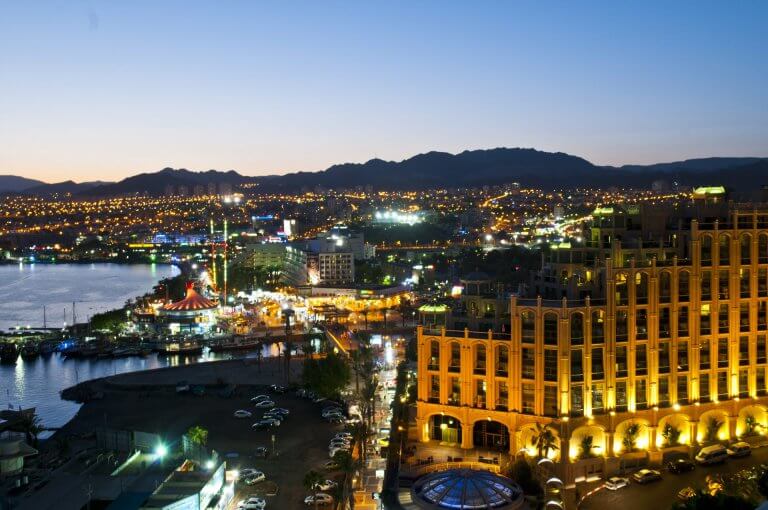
(259, 398)
(266, 423)
(343, 435)
(332, 451)
(282, 410)
(246, 472)
(678, 466)
(261, 452)
(740, 449)
(255, 476)
(335, 419)
(321, 498)
(242, 413)
(647, 476)
(252, 503)
(277, 388)
(713, 454)
(615, 483)
(686, 493)
(264, 404)
(326, 485)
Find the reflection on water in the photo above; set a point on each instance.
(37, 383)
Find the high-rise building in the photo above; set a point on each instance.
(649, 337)
(336, 268)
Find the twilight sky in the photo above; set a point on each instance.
(105, 89)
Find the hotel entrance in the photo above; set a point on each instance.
(490, 434)
(445, 429)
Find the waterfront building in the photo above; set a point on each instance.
(192, 487)
(287, 264)
(193, 314)
(649, 337)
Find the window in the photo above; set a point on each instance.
(550, 365)
(704, 355)
(744, 317)
(706, 285)
(502, 361)
(621, 361)
(621, 395)
(480, 359)
(665, 323)
(641, 394)
(722, 352)
(723, 285)
(455, 397)
(641, 288)
(529, 398)
(682, 389)
(762, 282)
(455, 364)
(706, 250)
(550, 400)
(550, 329)
(683, 286)
(577, 365)
(743, 350)
(722, 385)
(480, 394)
(434, 355)
(641, 359)
(577, 400)
(762, 315)
(725, 250)
(682, 357)
(641, 324)
(434, 388)
(598, 404)
(529, 363)
(622, 327)
(597, 363)
(743, 382)
(665, 287)
(622, 295)
(705, 321)
(577, 329)
(704, 391)
(762, 249)
(760, 380)
(761, 349)
(745, 247)
(528, 326)
(722, 318)
(598, 327)
(502, 396)
(682, 321)
(663, 399)
(663, 354)
(744, 283)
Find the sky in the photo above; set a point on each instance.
(103, 90)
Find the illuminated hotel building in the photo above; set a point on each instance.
(647, 338)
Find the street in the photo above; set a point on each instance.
(661, 495)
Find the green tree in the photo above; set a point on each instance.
(311, 482)
(586, 447)
(631, 434)
(720, 501)
(713, 426)
(751, 426)
(198, 435)
(31, 426)
(671, 435)
(327, 375)
(544, 439)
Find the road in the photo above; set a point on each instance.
(662, 494)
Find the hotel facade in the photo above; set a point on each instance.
(646, 339)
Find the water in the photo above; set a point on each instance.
(25, 289)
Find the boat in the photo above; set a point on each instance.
(174, 347)
(9, 353)
(29, 351)
(237, 344)
(46, 347)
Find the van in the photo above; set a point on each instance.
(740, 449)
(712, 454)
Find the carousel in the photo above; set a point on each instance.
(193, 314)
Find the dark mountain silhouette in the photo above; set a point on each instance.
(63, 188)
(13, 183)
(529, 167)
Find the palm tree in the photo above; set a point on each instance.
(751, 425)
(198, 435)
(630, 437)
(544, 440)
(713, 427)
(31, 426)
(346, 464)
(586, 446)
(671, 435)
(311, 482)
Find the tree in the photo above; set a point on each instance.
(586, 445)
(521, 472)
(198, 435)
(544, 440)
(327, 376)
(712, 428)
(345, 464)
(703, 501)
(629, 442)
(31, 426)
(751, 426)
(311, 482)
(671, 435)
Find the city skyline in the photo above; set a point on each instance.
(100, 91)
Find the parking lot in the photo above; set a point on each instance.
(663, 493)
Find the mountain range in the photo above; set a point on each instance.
(530, 167)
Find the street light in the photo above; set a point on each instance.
(161, 451)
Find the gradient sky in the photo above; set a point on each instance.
(102, 90)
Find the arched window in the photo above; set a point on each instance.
(683, 286)
(641, 288)
(622, 294)
(528, 321)
(598, 327)
(454, 364)
(725, 250)
(502, 360)
(745, 248)
(706, 250)
(762, 249)
(665, 287)
(434, 355)
(480, 359)
(550, 329)
(577, 328)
